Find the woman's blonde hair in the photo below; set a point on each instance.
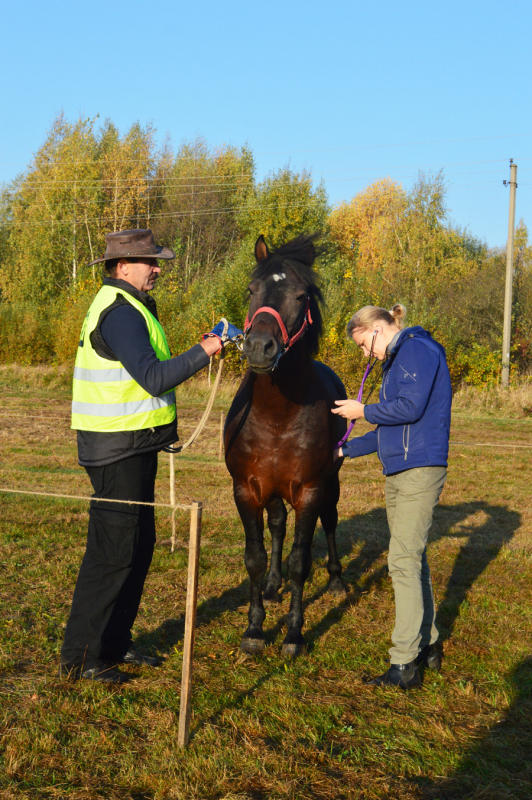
(369, 315)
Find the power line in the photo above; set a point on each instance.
(79, 203)
(143, 215)
(148, 198)
(133, 182)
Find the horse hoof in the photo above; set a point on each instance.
(293, 650)
(252, 646)
(336, 587)
(270, 597)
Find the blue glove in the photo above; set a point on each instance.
(225, 332)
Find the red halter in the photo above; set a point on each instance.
(288, 342)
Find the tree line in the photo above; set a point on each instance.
(383, 246)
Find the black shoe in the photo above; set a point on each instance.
(406, 676)
(100, 672)
(430, 657)
(139, 659)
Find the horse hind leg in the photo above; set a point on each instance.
(329, 520)
(277, 515)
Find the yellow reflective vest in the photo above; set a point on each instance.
(105, 398)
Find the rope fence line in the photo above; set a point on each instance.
(64, 418)
(176, 506)
(489, 444)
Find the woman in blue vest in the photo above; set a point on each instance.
(123, 408)
(412, 441)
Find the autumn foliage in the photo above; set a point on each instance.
(385, 245)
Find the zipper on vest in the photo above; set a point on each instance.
(406, 439)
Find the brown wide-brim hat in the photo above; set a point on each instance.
(133, 244)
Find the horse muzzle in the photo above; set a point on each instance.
(262, 351)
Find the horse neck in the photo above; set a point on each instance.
(289, 383)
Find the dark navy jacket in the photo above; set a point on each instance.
(413, 415)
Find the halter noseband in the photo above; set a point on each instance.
(287, 341)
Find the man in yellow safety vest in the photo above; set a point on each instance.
(123, 409)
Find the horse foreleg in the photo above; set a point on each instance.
(299, 564)
(256, 562)
(277, 515)
(329, 520)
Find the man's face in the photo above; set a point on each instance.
(141, 273)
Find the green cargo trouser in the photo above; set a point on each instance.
(411, 497)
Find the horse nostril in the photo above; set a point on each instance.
(269, 346)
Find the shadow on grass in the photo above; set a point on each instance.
(481, 546)
(368, 533)
(500, 764)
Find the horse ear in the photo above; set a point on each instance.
(311, 250)
(261, 249)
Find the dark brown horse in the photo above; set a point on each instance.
(280, 434)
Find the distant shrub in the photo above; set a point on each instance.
(26, 335)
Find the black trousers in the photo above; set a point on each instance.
(120, 544)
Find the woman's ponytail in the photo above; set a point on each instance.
(398, 312)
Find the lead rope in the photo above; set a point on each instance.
(203, 421)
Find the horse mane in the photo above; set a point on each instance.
(298, 254)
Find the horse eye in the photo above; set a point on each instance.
(301, 297)
(249, 291)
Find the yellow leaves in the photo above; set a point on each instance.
(283, 206)
(363, 225)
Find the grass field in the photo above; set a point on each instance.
(265, 727)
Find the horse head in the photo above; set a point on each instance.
(284, 303)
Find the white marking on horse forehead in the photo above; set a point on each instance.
(279, 276)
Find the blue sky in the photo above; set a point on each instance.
(352, 91)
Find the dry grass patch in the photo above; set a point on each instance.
(266, 727)
(515, 401)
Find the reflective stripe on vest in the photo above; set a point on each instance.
(124, 409)
(101, 375)
(105, 397)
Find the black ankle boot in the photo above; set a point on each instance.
(430, 657)
(406, 676)
(97, 672)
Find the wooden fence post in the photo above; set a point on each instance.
(172, 497)
(190, 624)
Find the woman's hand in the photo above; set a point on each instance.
(350, 409)
(338, 453)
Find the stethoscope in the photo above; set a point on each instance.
(367, 372)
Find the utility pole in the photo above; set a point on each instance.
(507, 325)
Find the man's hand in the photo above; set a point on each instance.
(212, 345)
(350, 409)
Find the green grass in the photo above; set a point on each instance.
(265, 727)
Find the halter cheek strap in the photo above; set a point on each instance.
(287, 341)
